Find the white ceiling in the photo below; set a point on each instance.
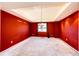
(52, 11)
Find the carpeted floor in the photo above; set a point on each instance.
(40, 46)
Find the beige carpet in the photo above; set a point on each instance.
(40, 46)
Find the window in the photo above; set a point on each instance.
(42, 27)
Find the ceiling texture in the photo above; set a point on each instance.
(40, 11)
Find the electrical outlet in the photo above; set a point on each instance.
(11, 42)
(66, 39)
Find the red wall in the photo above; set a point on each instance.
(0, 28)
(33, 27)
(69, 30)
(78, 31)
(13, 29)
(53, 30)
(57, 29)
